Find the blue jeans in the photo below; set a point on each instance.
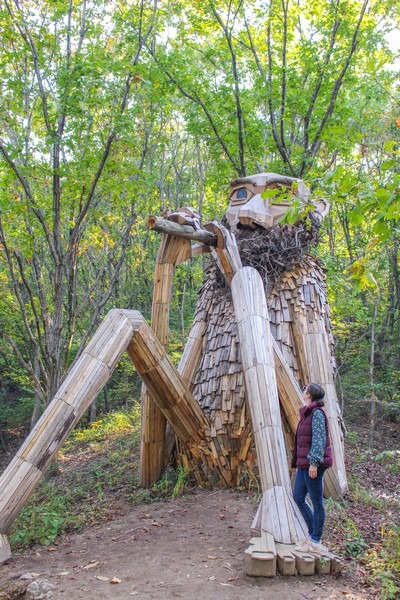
(314, 518)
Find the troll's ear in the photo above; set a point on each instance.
(322, 206)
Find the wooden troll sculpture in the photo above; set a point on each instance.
(261, 330)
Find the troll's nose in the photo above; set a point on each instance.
(256, 212)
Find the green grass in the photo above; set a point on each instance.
(363, 496)
(383, 564)
(390, 459)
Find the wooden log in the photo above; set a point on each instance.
(167, 387)
(111, 338)
(226, 253)
(259, 373)
(162, 225)
(281, 517)
(155, 446)
(16, 484)
(191, 355)
(290, 396)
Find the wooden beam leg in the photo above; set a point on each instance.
(83, 383)
(153, 448)
(280, 516)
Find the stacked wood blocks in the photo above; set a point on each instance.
(265, 557)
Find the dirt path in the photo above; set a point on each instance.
(188, 548)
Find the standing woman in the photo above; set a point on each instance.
(312, 455)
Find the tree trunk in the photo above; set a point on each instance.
(373, 409)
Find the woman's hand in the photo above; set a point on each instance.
(313, 471)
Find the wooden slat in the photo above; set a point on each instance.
(16, 484)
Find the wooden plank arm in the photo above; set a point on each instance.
(162, 225)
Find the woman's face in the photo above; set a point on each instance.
(306, 395)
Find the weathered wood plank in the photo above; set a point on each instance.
(5, 550)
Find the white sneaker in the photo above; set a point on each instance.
(315, 548)
(303, 546)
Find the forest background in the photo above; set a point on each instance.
(111, 111)
(115, 110)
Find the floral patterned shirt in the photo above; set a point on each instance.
(316, 454)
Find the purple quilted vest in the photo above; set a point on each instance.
(302, 444)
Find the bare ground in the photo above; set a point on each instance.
(190, 547)
(193, 546)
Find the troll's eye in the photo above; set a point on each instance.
(239, 196)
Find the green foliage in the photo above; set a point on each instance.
(353, 438)
(41, 524)
(390, 459)
(364, 496)
(172, 483)
(383, 563)
(181, 481)
(353, 545)
(249, 481)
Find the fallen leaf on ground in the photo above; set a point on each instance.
(115, 580)
(91, 565)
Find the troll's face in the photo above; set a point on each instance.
(248, 209)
